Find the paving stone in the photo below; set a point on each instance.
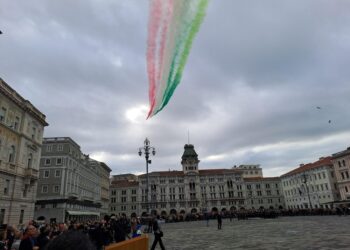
(299, 232)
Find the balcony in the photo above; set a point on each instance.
(31, 174)
(8, 167)
(87, 198)
(73, 195)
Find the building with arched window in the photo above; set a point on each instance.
(195, 191)
(21, 130)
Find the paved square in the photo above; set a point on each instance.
(309, 232)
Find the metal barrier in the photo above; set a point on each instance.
(138, 243)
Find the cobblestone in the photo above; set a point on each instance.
(300, 232)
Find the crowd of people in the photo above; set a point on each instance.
(40, 235)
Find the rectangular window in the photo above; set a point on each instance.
(7, 187)
(16, 123)
(25, 191)
(2, 114)
(56, 189)
(57, 173)
(49, 148)
(46, 173)
(2, 216)
(47, 162)
(59, 161)
(60, 147)
(33, 132)
(21, 217)
(44, 188)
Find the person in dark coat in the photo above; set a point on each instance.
(71, 240)
(97, 236)
(219, 217)
(43, 237)
(158, 234)
(29, 240)
(119, 233)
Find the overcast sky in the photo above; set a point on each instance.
(256, 74)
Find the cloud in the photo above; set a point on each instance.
(249, 92)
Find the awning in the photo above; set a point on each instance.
(83, 213)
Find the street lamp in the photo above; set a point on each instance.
(147, 149)
(305, 176)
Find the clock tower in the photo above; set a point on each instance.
(189, 160)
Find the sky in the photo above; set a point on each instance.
(249, 94)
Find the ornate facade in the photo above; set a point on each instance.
(21, 131)
(193, 190)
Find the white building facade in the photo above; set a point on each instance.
(193, 191)
(311, 186)
(21, 131)
(341, 161)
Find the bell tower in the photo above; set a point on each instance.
(189, 160)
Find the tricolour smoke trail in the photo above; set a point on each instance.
(153, 29)
(172, 27)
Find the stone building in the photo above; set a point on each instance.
(71, 185)
(193, 190)
(264, 193)
(341, 162)
(21, 131)
(311, 185)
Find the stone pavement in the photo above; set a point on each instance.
(300, 232)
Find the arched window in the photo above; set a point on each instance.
(30, 160)
(12, 154)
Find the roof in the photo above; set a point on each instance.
(189, 152)
(173, 173)
(24, 104)
(341, 153)
(253, 179)
(324, 161)
(124, 183)
(176, 173)
(219, 171)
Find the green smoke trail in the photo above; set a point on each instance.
(182, 51)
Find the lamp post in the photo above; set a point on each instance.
(147, 149)
(305, 176)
